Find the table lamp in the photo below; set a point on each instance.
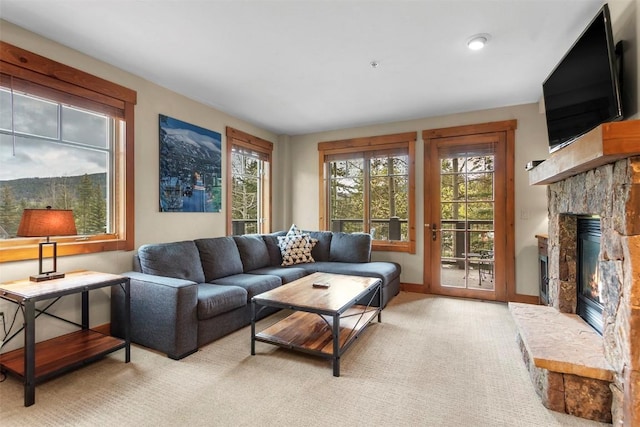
(45, 223)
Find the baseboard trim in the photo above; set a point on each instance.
(422, 289)
(414, 287)
(527, 299)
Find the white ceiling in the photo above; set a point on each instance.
(296, 67)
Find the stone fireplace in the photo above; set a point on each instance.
(613, 192)
(600, 176)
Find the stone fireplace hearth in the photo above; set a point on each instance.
(601, 176)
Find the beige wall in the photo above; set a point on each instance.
(531, 202)
(151, 225)
(625, 16)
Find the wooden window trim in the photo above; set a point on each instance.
(405, 140)
(37, 71)
(242, 139)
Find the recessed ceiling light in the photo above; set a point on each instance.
(478, 41)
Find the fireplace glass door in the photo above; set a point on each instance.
(589, 297)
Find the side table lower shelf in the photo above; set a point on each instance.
(61, 354)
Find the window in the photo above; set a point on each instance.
(66, 141)
(37, 148)
(249, 188)
(367, 185)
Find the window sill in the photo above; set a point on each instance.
(393, 246)
(11, 250)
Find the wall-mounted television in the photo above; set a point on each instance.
(583, 90)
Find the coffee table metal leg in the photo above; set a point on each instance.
(253, 328)
(380, 305)
(336, 345)
(127, 322)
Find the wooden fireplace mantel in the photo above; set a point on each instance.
(605, 144)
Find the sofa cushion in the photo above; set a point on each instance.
(286, 274)
(350, 247)
(253, 251)
(254, 284)
(216, 299)
(320, 251)
(387, 271)
(179, 260)
(219, 256)
(271, 240)
(296, 249)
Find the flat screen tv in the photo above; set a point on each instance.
(583, 91)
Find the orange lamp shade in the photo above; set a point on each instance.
(47, 222)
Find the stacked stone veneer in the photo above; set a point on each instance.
(565, 360)
(613, 192)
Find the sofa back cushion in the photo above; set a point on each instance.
(253, 251)
(271, 240)
(179, 260)
(350, 247)
(219, 256)
(321, 251)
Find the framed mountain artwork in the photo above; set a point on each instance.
(190, 167)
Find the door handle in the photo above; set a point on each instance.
(434, 230)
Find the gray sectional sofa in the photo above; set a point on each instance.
(187, 294)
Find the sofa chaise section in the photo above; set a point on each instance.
(344, 253)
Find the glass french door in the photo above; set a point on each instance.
(465, 222)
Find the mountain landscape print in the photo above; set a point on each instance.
(190, 167)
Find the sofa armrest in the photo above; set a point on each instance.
(163, 313)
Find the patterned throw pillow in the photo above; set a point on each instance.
(294, 231)
(296, 247)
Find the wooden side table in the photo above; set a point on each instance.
(35, 363)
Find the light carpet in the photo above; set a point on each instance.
(433, 361)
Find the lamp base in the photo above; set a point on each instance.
(46, 276)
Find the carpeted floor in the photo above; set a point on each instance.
(432, 361)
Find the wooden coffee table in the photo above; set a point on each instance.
(325, 321)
